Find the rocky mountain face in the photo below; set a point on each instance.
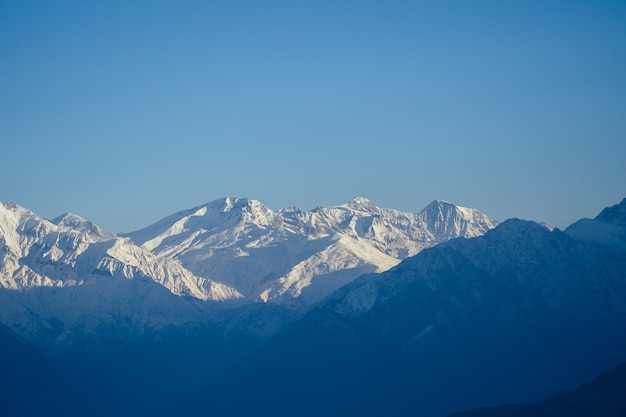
(70, 251)
(67, 277)
(290, 254)
(511, 316)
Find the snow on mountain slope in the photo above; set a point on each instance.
(71, 251)
(341, 262)
(71, 271)
(290, 253)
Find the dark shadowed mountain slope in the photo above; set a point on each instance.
(605, 396)
(511, 316)
(614, 215)
(31, 385)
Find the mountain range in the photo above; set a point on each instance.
(511, 316)
(232, 309)
(226, 253)
(305, 255)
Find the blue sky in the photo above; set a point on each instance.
(124, 113)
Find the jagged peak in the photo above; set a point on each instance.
(235, 202)
(291, 209)
(230, 203)
(438, 206)
(16, 208)
(66, 219)
(438, 202)
(362, 203)
(251, 211)
(75, 222)
(10, 205)
(361, 200)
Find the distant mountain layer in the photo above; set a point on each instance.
(511, 316)
(605, 396)
(33, 385)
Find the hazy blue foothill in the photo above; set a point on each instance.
(604, 396)
(31, 384)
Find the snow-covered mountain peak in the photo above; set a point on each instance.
(11, 210)
(231, 203)
(438, 202)
(20, 227)
(12, 217)
(363, 204)
(445, 208)
(249, 211)
(70, 250)
(79, 224)
(615, 214)
(446, 220)
(223, 219)
(441, 210)
(69, 219)
(290, 209)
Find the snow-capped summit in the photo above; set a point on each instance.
(290, 253)
(362, 204)
(77, 223)
(446, 221)
(86, 273)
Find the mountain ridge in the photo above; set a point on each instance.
(241, 252)
(220, 238)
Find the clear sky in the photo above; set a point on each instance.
(126, 111)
